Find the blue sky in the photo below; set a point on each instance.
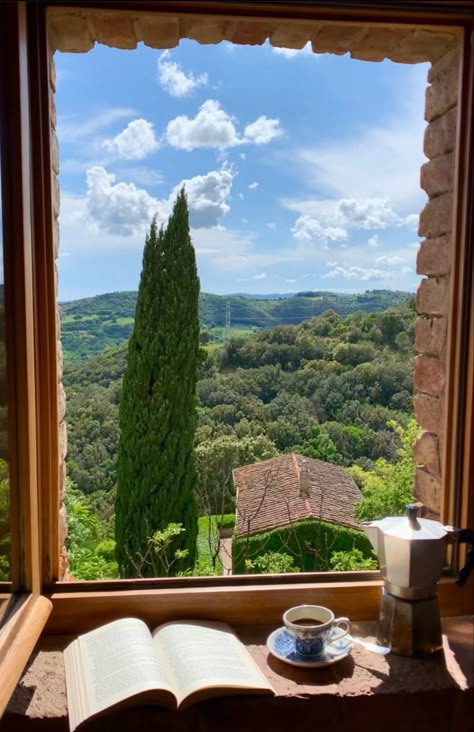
(302, 171)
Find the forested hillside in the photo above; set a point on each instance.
(91, 325)
(331, 387)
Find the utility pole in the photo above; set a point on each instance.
(227, 319)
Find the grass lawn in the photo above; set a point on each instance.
(208, 538)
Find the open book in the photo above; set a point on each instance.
(123, 664)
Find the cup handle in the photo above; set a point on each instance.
(339, 623)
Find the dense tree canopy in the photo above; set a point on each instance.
(156, 472)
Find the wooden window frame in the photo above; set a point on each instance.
(25, 609)
(78, 606)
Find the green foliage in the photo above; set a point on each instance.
(156, 473)
(353, 560)
(310, 543)
(227, 521)
(89, 542)
(161, 555)
(319, 446)
(389, 487)
(271, 563)
(215, 460)
(208, 561)
(94, 324)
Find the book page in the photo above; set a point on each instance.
(115, 662)
(203, 655)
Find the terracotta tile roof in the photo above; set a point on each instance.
(291, 488)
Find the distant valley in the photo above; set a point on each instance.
(91, 325)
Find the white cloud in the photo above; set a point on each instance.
(412, 221)
(174, 80)
(213, 127)
(374, 241)
(293, 52)
(207, 196)
(310, 230)
(243, 156)
(117, 208)
(70, 129)
(290, 282)
(343, 214)
(357, 273)
(387, 259)
(272, 226)
(262, 131)
(253, 186)
(135, 142)
(124, 209)
(261, 276)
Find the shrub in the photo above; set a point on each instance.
(310, 543)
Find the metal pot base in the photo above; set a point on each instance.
(409, 627)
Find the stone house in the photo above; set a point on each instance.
(290, 488)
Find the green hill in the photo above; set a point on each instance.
(329, 386)
(91, 325)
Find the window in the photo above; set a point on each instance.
(32, 338)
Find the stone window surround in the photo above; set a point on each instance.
(77, 30)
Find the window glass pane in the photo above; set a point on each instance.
(303, 212)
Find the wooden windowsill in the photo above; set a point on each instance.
(357, 693)
(22, 622)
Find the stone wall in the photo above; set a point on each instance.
(78, 29)
(63, 561)
(434, 261)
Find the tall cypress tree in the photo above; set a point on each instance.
(156, 471)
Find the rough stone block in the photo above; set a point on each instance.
(54, 152)
(428, 413)
(423, 45)
(429, 375)
(248, 32)
(376, 44)
(62, 480)
(428, 489)
(61, 402)
(158, 33)
(434, 256)
(430, 336)
(63, 440)
(442, 94)
(336, 39)
(114, 30)
(436, 218)
(52, 71)
(69, 33)
(56, 238)
(63, 564)
(437, 176)
(288, 35)
(55, 195)
(432, 296)
(426, 452)
(203, 31)
(62, 525)
(440, 135)
(59, 358)
(449, 61)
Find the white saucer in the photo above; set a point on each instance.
(282, 645)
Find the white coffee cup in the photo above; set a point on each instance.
(312, 627)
